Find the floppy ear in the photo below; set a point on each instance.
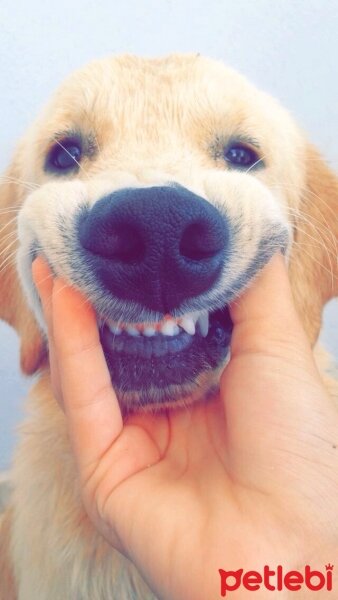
(314, 258)
(13, 307)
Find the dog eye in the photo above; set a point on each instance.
(64, 156)
(241, 156)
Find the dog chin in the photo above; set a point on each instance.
(154, 400)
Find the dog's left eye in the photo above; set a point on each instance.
(64, 156)
(241, 156)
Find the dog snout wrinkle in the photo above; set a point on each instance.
(158, 246)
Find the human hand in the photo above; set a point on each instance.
(246, 480)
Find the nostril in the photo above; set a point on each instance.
(200, 241)
(119, 241)
(125, 243)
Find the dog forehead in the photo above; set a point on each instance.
(126, 74)
(174, 90)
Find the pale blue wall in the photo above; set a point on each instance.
(289, 48)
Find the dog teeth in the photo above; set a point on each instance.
(149, 331)
(188, 324)
(203, 321)
(115, 329)
(132, 331)
(169, 328)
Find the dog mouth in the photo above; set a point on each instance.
(164, 362)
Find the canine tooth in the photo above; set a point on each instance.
(187, 323)
(149, 331)
(203, 322)
(115, 329)
(169, 328)
(132, 331)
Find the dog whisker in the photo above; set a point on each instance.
(6, 248)
(260, 160)
(11, 259)
(6, 211)
(8, 224)
(6, 179)
(324, 234)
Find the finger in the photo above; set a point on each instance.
(93, 412)
(274, 399)
(265, 317)
(43, 279)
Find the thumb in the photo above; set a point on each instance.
(265, 319)
(274, 398)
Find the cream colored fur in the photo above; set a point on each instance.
(152, 121)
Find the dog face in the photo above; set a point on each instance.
(159, 188)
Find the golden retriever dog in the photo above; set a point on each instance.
(159, 188)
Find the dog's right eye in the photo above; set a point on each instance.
(64, 156)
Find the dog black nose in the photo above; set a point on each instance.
(156, 246)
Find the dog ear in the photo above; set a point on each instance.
(13, 306)
(314, 258)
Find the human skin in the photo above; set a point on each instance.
(247, 479)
